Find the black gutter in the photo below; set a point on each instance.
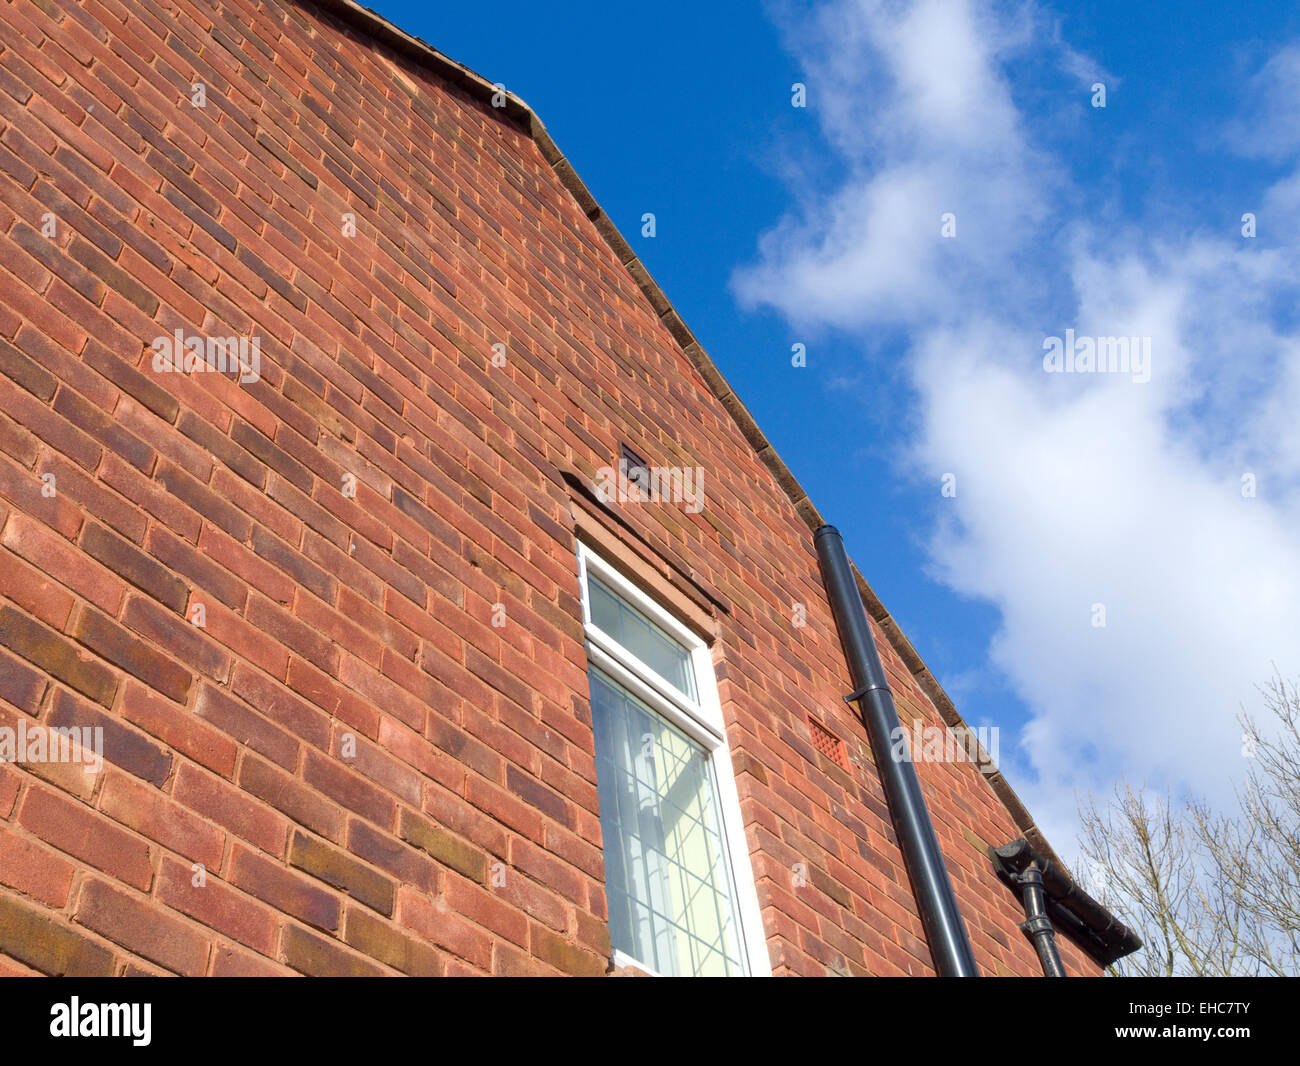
(1070, 909)
(949, 945)
(1037, 925)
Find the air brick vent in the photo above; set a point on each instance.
(828, 744)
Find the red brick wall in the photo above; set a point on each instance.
(463, 835)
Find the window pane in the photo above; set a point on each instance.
(666, 875)
(667, 657)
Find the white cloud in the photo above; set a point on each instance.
(1073, 489)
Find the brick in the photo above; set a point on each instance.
(17, 442)
(217, 905)
(30, 935)
(317, 957)
(437, 923)
(36, 543)
(178, 729)
(34, 871)
(348, 788)
(388, 944)
(291, 562)
(246, 726)
(20, 685)
(32, 377)
(453, 853)
(197, 496)
(212, 440)
(281, 706)
(232, 808)
(76, 830)
(156, 816)
(536, 794)
(130, 563)
(231, 962)
(81, 413)
(554, 950)
(486, 908)
(290, 796)
(259, 446)
(100, 265)
(336, 868)
(283, 627)
(132, 751)
(24, 489)
(142, 929)
(34, 592)
(94, 497)
(56, 656)
(109, 640)
(211, 579)
(388, 853)
(173, 632)
(132, 381)
(286, 891)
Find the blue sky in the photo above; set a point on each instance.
(820, 225)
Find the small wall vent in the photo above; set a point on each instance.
(828, 744)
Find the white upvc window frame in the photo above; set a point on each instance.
(700, 719)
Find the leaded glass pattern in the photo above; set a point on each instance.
(668, 882)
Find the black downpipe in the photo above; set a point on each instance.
(949, 944)
(1037, 925)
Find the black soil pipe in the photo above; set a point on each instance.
(1037, 925)
(949, 944)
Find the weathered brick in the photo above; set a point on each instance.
(538, 795)
(36, 543)
(56, 656)
(339, 869)
(136, 567)
(315, 956)
(437, 923)
(34, 592)
(554, 950)
(389, 853)
(267, 452)
(109, 640)
(348, 788)
(379, 940)
(178, 728)
(32, 377)
(286, 891)
(231, 962)
(447, 849)
(281, 706)
(30, 935)
(200, 498)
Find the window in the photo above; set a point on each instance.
(677, 873)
